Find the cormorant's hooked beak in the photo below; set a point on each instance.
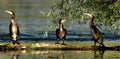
(90, 15)
(8, 12)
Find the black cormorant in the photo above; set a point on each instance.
(61, 31)
(13, 28)
(97, 36)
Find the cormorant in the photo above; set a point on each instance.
(61, 31)
(97, 36)
(13, 28)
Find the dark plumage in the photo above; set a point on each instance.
(13, 28)
(61, 31)
(95, 32)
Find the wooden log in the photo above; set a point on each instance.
(53, 46)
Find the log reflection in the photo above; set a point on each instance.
(98, 54)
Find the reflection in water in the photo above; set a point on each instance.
(55, 54)
(48, 54)
(98, 54)
(15, 55)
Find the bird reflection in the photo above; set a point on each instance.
(48, 54)
(98, 54)
(56, 56)
(15, 55)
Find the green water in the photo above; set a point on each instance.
(59, 55)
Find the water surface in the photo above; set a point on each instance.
(59, 55)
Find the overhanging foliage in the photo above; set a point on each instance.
(106, 12)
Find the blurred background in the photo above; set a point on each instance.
(28, 14)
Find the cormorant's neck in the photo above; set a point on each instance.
(61, 26)
(13, 19)
(92, 21)
(12, 16)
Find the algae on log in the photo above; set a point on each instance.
(53, 46)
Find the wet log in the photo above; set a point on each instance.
(53, 46)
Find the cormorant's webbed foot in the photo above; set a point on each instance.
(15, 42)
(103, 46)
